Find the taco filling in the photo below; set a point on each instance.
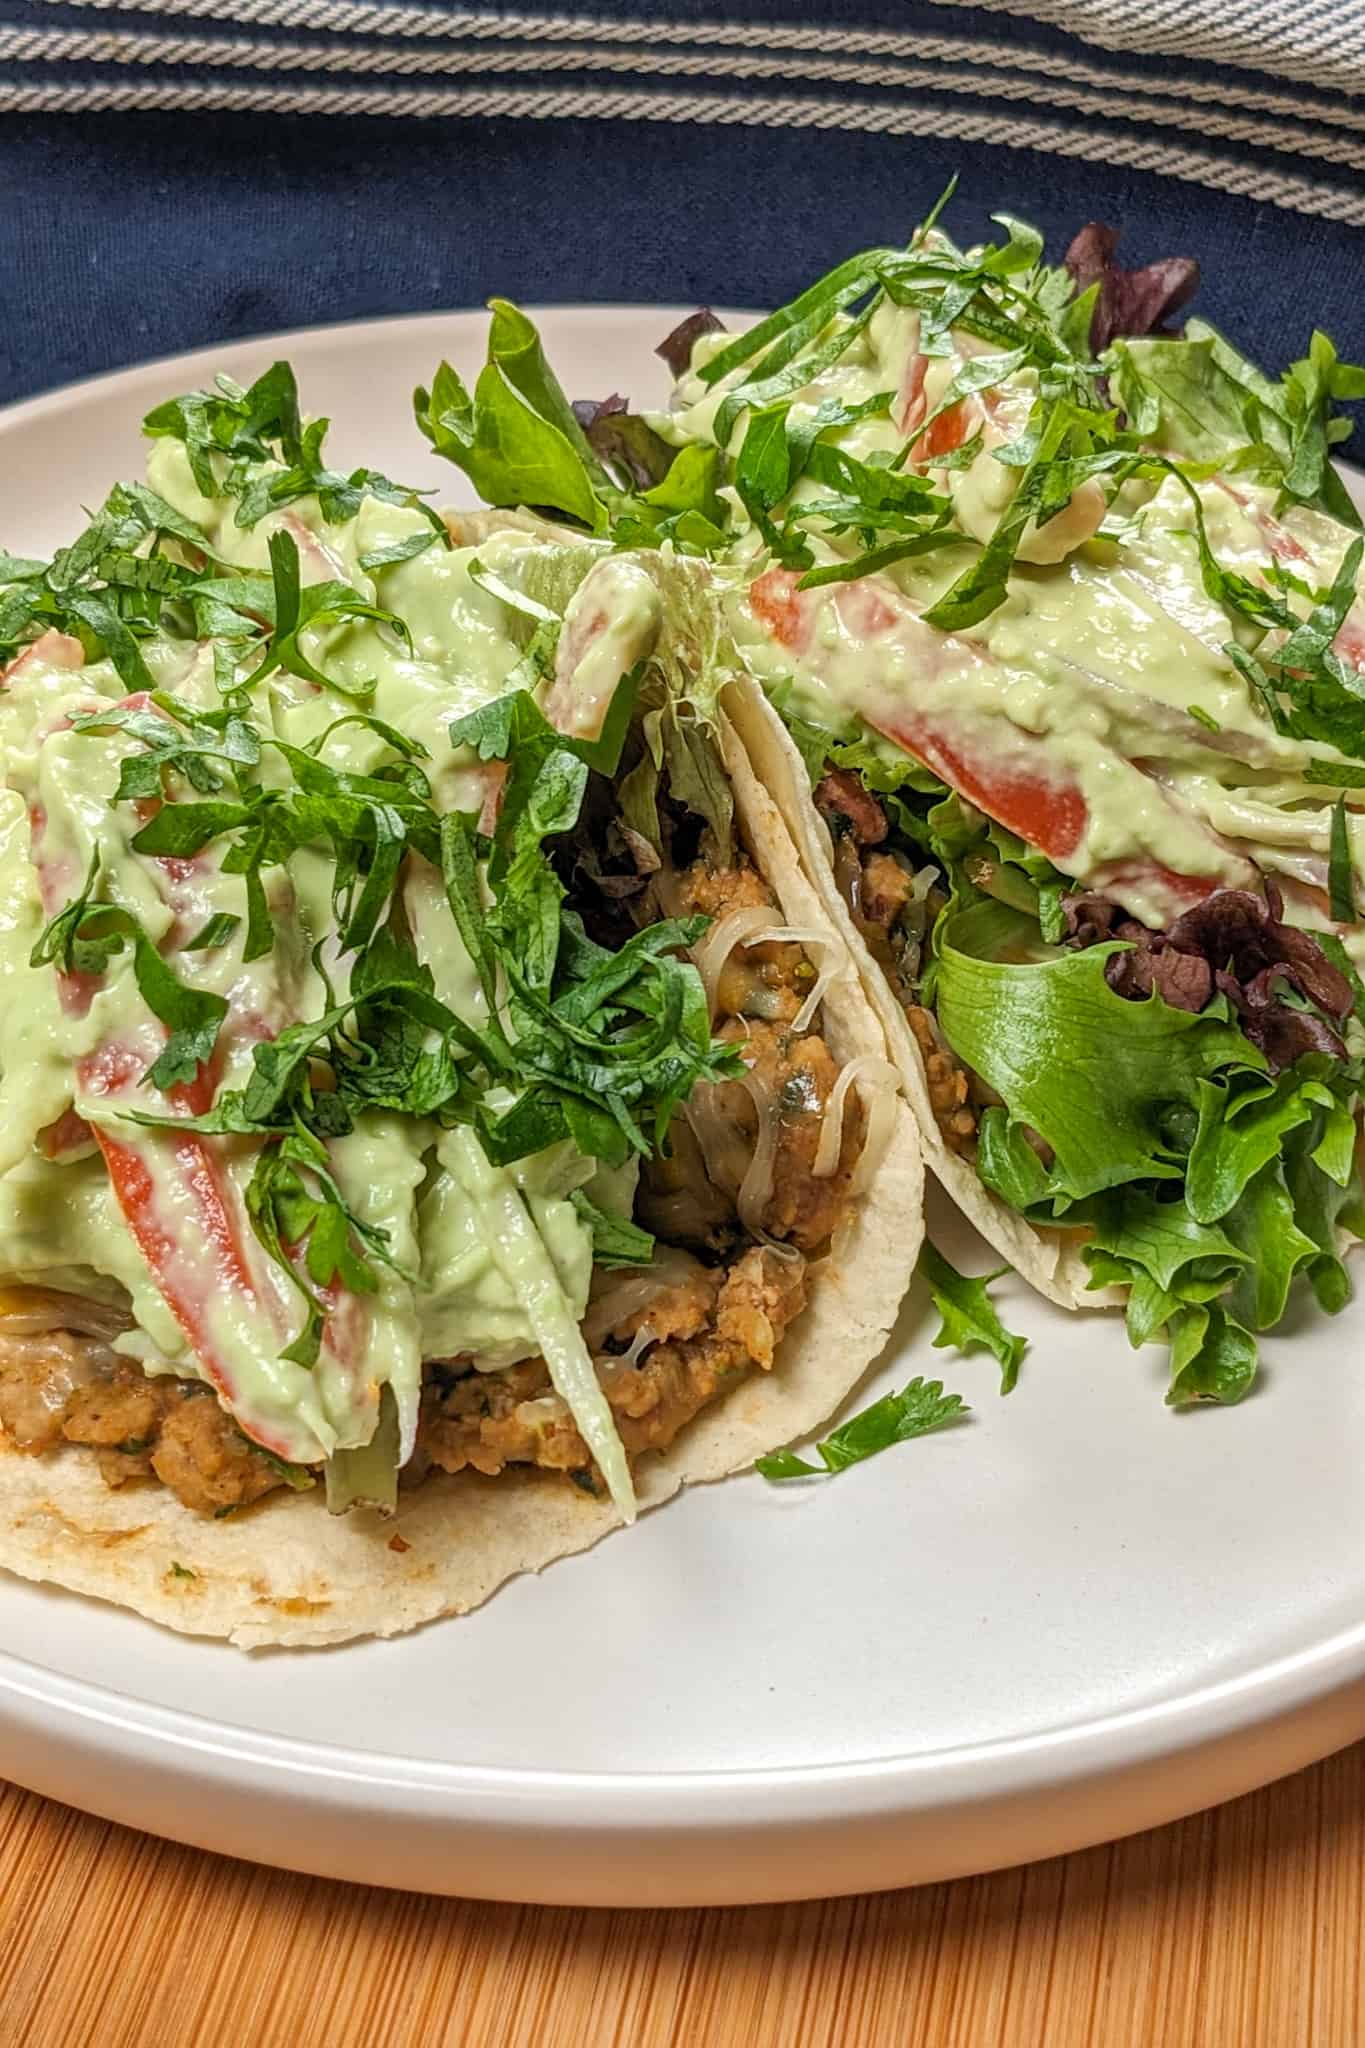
(407, 1062)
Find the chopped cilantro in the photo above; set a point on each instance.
(229, 433)
(1341, 887)
(920, 1407)
(970, 1321)
(616, 1241)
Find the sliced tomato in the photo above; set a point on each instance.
(132, 1175)
(1022, 788)
(192, 1233)
(65, 1139)
(1034, 802)
(1283, 546)
(1181, 892)
(58, 650)
(866, 609)
(777, 604)
(910, 397)
(317, 562)
(178, 867)
(946, 432)
(494, 784)
(57, 883)
(1049, 813)
(176, 1189)
(1281, 543)
(76, 992)
(1350, 641)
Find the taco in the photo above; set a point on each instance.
(1057, 683)
(437, 1117)
(1054, 625)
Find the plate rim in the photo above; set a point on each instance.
(18, 411)
(1262, 1693)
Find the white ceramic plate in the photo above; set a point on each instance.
(1076, 1616)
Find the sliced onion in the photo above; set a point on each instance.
(789, 934)
(879, 1102)
(718, 1137)
(792, 1254)
(814, 942)
(805, 1015)
(756, 1188)
(626, 1293)
(614, 1365)
(752, 926)
(542, 1411)
(877, 1081)
(715, 948)
(35, 1311)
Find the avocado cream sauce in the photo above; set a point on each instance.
(1103, 673)
(59, 1221)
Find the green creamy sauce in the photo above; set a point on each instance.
(1099, 674)
(60, 1223)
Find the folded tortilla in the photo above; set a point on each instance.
(285, 1572)
(1050, 1260)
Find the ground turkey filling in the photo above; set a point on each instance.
(719, 1325)
(878, 889)
(722, 1317)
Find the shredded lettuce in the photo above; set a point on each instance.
(368, 1476)
(616, 1241)
(527, 1266)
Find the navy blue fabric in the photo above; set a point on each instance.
(135, 234)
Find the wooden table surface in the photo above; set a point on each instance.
(1240, 1928)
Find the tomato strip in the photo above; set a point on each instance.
(164, 1171)
(1025, 792)
(1051, 815)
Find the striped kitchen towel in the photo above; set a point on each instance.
(178, 171)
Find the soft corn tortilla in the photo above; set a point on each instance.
(1049, 1260)
(286, 1573)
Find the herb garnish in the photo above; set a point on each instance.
(520, 442)
(920, 1407)
(230, 432)
(1340, 872)
(969, 1318)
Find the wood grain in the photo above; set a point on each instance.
(1240, 1927)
